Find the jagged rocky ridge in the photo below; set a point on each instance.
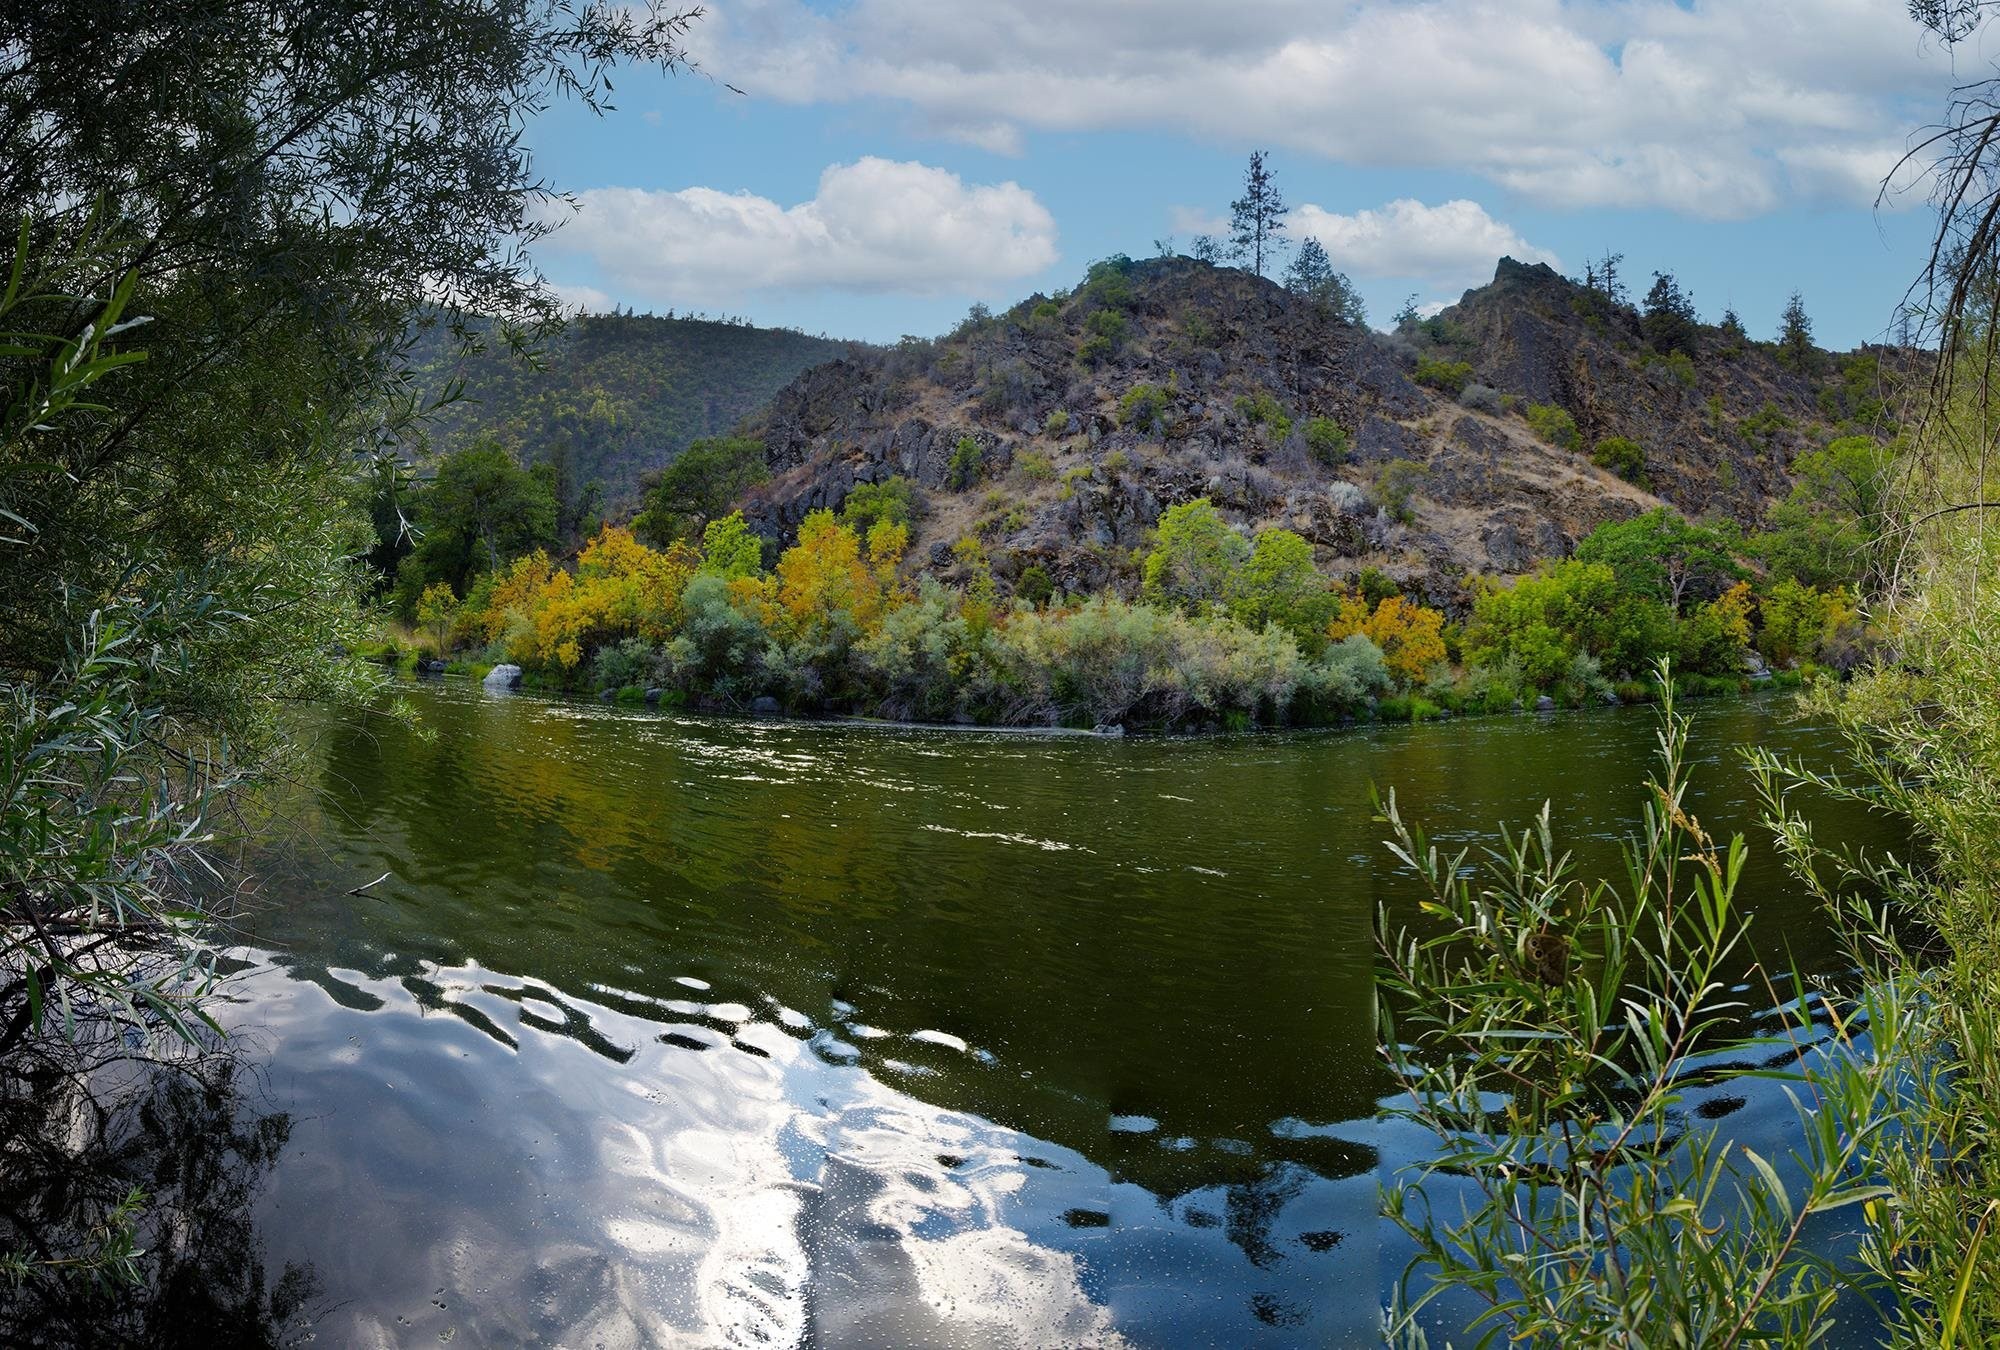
(1066, 482)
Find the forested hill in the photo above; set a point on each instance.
(617, 395)
(1477, 442)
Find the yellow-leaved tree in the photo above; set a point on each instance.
(1410, 635)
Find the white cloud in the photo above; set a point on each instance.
(1193, 220)
(875, 225)
(580, 299)
(1452, 244)
(1722, 108)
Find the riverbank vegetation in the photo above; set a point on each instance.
(1225, 629)
(221, 223)
(1551, 1038)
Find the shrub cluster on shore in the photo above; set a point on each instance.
(1229, 631)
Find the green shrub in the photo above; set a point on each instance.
(1623, 456)
(1035, 586)
(1375, 585)
(1449, 376)
(1554, 425)
(1262, 409)
(1326, 440)
(1544, 620)
(1544, 1028)
(1764, 425)
(1036, 466)
(1105, 331)
(1396, 484)
(894, 500)
(967, 463)
(1143, 408)
(1057, 423)
(1109, 282)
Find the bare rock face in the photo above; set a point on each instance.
(1166, 380)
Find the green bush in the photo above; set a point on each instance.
(1449, 376)
(1544, 620)
(1109, 282)
(1375, 585)
(1395, 485)
(1057, 423)
(1036, 466)
(1105, 331)
(1554, 425)
(1144, 408)
(1326, 440)
(1035, 587)
(1544, 1028)
(894, 500)
(967, 464)
(1623, 456)
(1262, 409)
(1764, 425)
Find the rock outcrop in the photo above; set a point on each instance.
(1056, 433)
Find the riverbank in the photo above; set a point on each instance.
(1389, 710)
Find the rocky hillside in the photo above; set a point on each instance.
(1058, 431)
(619, 394)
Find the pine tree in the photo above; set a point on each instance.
(1311, 274)
(1311, 269)
(1600, 277)
(1795, 340)
(1255, 217)
(1669, 321)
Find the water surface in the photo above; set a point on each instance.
(680, 1031)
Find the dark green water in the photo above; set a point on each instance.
(692, 1032)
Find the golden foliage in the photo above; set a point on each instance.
(1410, 635)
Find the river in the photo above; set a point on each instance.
(682, 1031)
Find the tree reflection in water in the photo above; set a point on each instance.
(85, 1123)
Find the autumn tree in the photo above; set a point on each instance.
(1410, 635)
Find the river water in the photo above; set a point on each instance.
(676, 1031)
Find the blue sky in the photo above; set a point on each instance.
(891, 161)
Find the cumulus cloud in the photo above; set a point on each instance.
(1724, 108)
(875, 225)
(1454, 243)
(580, 299)
(1194, 220)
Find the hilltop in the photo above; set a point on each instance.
(1057, 432)
(619, 394)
